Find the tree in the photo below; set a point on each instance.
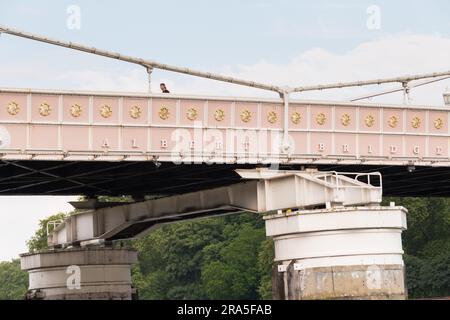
(39, 240)
(13, 281)
(427, 246)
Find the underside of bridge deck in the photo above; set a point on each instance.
(145, 178)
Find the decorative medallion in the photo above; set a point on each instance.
(272, 117)
(438, 123)
(246, 116)
(45, 109)
(296, 117)
(192, 114)
(135, 112)
(370, 121)
(13, 108)
(164, 113)
(106, 111)
(416, 122)
(393, 121)
(321, 119)
(76, 110)
(219, 115)
(345, 119)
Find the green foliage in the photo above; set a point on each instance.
(39, 240)
(265, 265)
(13, 281)
(234, 273)
(215, 258)
(427, 246)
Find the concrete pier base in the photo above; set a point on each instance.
(80, 274)
(339, 253)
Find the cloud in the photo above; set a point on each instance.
(385, 57)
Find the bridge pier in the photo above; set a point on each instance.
(80, 274)
(338, 253)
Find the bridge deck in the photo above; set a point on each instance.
(111, 143)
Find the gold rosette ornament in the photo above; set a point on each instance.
(393, 121)
(219, 115)
(164, 113)
(192, 114)
(345, 119)
(416, 122)
(76, 110)
(321, 119)
(13, 108)
(106, 111)
(246, 116)
(45, 109)
(296, 118)
(370, 121)
(438, 123)
(272, 117)
(135, 112)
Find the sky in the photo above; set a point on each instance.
(284, 42)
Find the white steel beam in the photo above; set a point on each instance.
(266, 191)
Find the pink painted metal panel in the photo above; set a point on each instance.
(214, 141)
(134, 139)
(300, 142)
(393, 146)
(187, 140)
(44, 108)
(246, 115)
(272, 116)
(345, 144)
(321, 118)
(369, 145)
(135, 111)
(13, 107)
(321, 143)
(106, 110)
(76, 109)
(415, 146)
(415, 121)
(392, 120)
(18, 136)
(219, 113)
(105, 139)
(192, 112)
(369, 119)
(44, 137)
(75, 138)
(162, 139)
(346, 118)
(164, 111)
(438, 122)
(438, 147)
(246, 141)
(298, 117)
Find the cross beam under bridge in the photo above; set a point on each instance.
(265, 191)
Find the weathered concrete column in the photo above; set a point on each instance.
(339, 253)
(82, 274)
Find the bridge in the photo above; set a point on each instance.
(66, 143)
(188, 157)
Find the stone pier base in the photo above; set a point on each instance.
(338, 253)
(80, 274)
